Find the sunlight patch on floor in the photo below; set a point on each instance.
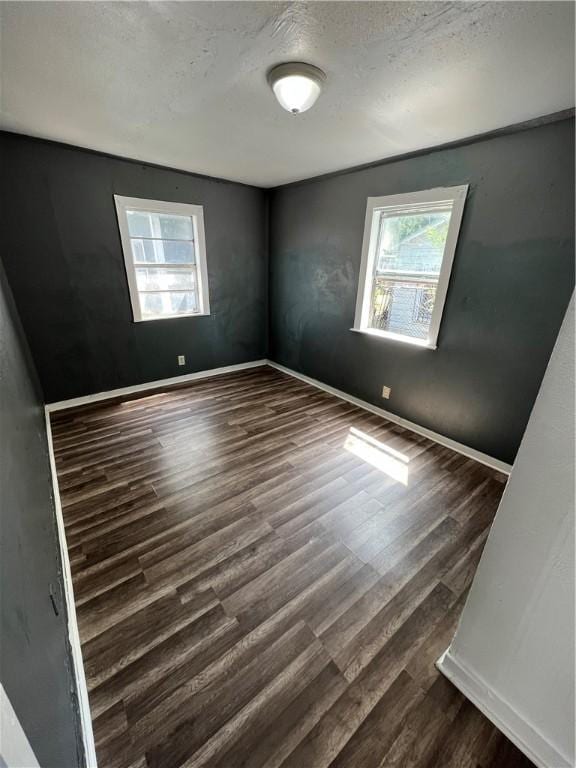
(379, 455)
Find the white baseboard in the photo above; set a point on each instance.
(73, 635)
(62, 405)
(471, 453)
(74, 638)
(510, 722)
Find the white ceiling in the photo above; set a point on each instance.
(183, 83)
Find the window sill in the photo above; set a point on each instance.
(171, 317)
(395, 337)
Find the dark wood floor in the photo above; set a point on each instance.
(265, 575)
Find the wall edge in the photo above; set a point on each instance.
(465, 450)
(62, 405)
(73, 634)
(502, 714)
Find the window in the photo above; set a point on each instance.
(165, 257)
(407, 254)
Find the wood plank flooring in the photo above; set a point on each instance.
(265, 575)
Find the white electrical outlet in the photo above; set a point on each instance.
(386, 392)
(181, 360)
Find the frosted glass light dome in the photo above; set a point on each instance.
(296, 85)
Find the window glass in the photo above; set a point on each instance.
(166, 304)
(402, 307)
(413, 243)
(165, 258)
(162, 251)
(159, 279)
(406, 271)
(407, 253)
(139, 224)
(160, 225)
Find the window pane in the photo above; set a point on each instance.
(403, 307)
(139, 224)
(166, 304)
(179, 227)
(165, 279)
(162, 251)
(144, 224)
(412, 242)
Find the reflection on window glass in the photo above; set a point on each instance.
(407, 266)
(163, 304)
(162, 251)
(165, 257)
(413, 243)
(175, 227)
(168, 240)
(139, 224)
(163, 279)
(159, 225)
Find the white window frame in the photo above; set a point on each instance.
(196, 213)
(375, 205)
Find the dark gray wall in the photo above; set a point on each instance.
(65, 267)
(511, 282)
(35, 663)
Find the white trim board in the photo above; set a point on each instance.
(86, 721)
(471, 453)
(15, 748)
(62, 405)
(196, 267)
(510, 722)
(73, 635)
(451, 200)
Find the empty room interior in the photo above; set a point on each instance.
(287, 384)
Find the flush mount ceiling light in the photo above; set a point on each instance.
(296, 85)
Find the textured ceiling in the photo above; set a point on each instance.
(183, 83)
